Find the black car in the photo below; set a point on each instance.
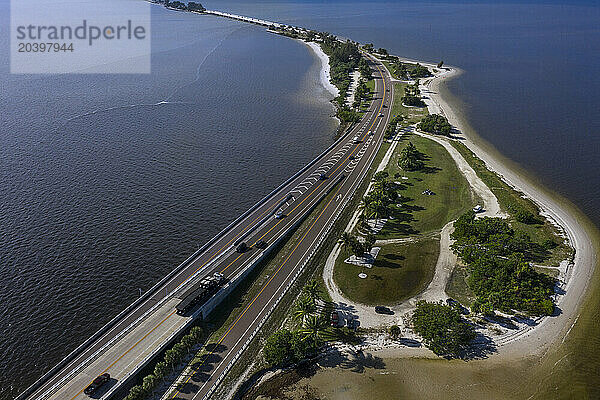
(383, 310)
(322, 177)
(242, 247)
(96, 384)
(352, 158)
(261, 244)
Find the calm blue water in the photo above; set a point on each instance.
(102, 191)
(531, 80)
(94, 205)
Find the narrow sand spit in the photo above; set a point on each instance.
(529, 341)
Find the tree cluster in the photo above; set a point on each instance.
(392, 127)
(358, 247)
(364, 69)
(498, 260)
(442, 328)
(412, 95)
(190, 6)
(162, 369)
(344, 57)
(410, 158)
(286, 347)
(419, 71)
(376, 204)
(345, 114)
(435, 123)
(361, 94)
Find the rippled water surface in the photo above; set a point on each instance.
(107, 182)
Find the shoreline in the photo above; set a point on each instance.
(535, 341)
(325, 74)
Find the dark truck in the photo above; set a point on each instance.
(199, 293)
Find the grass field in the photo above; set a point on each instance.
(400, 272)
(420, 213)
(412, 115)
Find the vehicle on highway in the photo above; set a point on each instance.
(279, 215)
(352, 158)
(199, 293)
(322, 177)
(261, 244)
(383, 310)
(371, 133)
(97, 383)
(242, 247)
(381, 114)
(356, 139)
(335, 318)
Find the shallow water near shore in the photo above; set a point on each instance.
(137, 200)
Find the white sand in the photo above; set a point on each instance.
(533, 340)
(325, 74)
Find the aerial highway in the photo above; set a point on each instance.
(144, 329)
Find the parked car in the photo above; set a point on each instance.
(383, 310)
(96, 384)
(335, 318)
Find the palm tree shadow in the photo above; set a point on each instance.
(355, 361)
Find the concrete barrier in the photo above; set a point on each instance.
(71, 356)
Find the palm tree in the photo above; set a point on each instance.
(171, 358)
(188, 342)
(346, 240)
(149, 383)
(305, 307)
(161, 370)
(312, 290)
(313, 329)
(196, 333)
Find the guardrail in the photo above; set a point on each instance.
(284, 292)
(71, 356)
(295, 277)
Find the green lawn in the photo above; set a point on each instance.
(511, 199)
(457, 287)
(401, 271)
(420, 213)
(412, 115)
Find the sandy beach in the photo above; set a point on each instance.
(325, 75)
(550, 329)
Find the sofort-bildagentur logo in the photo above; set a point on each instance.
(80, 36)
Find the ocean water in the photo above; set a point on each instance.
(107, 182)
(103, 190)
